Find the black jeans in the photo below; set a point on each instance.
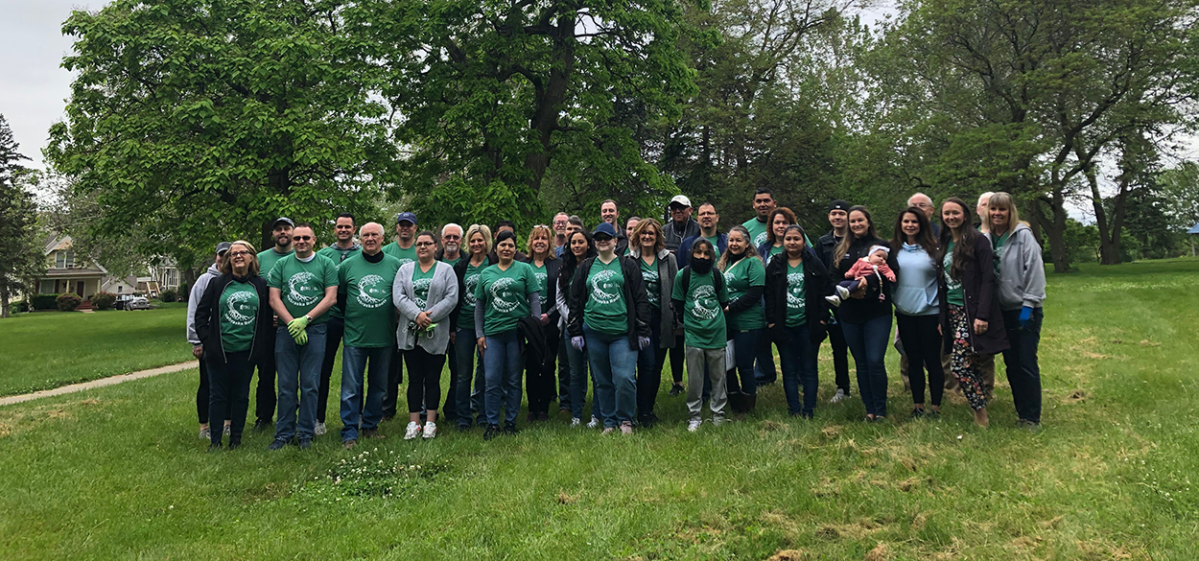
(922, 345)
(333, 336)
(266, 397)
(229, 390)
(836, 340)
(649, 367)
(1023, 370)
(678, 354)
(395, 377)
(202, 395)
(424, 378)
(539, 377)
(449, 409)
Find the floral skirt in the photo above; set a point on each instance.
(964, 361)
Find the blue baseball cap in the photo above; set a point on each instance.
(604, 228)
(410, 217)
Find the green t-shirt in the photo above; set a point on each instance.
(797, 297)
(541, 275)
(505, 296)
(239, 310)
(267, 259)
(715, 247)
(404, 255)
(653, 284)
(775, 251)
(470, 280)
(953, 287)
(370, 314)
(338, 255)
(757, 231)
(746, 273)
(420, 284)
(999, 244)
(606, 311)
(703, 317)
(451, 262)
(303, 284)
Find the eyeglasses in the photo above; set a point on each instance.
(424, 244)
(301, 238)
(451, 237)
(237, 253)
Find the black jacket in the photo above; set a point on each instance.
(208, 323)
(460, 273)
(552, 268)
(636, 302)
(674, 238)
(531, 340)
(858, 311)
(817, 285)
(824, 248)
(982, 301)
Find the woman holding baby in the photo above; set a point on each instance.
(865, 315)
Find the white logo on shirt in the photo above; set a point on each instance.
(795, 297)
(471, 281)
(238, 310)
(372, 292)
(706, 306)
(603, 287)
(418, 286)
(302, 289)
(503, 298)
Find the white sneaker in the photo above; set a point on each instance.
(717, 421)
(205, 434)
(839, 396)
(228, 430)
(834, 300)
(595, 422)
(430, 431)
(412, 432)
(693, 426)
(842, 292)
(576, 422)
(319, 429)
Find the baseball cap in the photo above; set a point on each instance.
(284, 220)
(839, 205)
(680, 200)
(408, 216)
(223, 247)
(604, 228)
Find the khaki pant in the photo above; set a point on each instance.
(713, 360)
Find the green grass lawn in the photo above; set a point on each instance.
(46, 350)
(118, 473)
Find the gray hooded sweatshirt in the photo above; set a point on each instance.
(1021, 271)
(193, 300)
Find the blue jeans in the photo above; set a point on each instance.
(353, 365)
(578, 378)
(868, 342)
(298, 366)
(466, 348)
(614, 365)
(764, 372)
(1023, 370)
(798, 362)
(501, 372)
(745, 350)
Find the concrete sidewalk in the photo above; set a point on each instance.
(12, 399)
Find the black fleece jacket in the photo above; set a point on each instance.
(208, 314)
(861, 310)
(460, 273)
(636, 302)
(816, 285)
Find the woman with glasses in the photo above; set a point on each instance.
(467, 271)
(425, 293)
(539, 374)
(647, 246)
(579, 249)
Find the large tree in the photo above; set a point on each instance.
(20, 256)
(199, 120)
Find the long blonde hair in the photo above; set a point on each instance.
(226, 267)
(1004, 200)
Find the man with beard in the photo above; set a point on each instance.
(708, 222)
(344, 247)
(403, 249)
(764, 204)
(364, 283)
(264, 396)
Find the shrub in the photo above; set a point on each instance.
(103, 300)
(45, 301)
(168, 296)
(184, 293)
(68, 302)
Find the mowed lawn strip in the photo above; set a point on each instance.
(46, 350)
(119, 473)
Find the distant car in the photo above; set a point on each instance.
(130, 302)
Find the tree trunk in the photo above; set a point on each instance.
(279, 182)
(4, 300)
(1055, 231)
(549, 102)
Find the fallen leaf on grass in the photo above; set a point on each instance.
(1052, 522)
(1147, 343)
(566, 499)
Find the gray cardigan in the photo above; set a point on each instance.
(1021, 279)
(668, 268)
(443, 297)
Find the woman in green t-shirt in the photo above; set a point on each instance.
(609, 316)
(506, 293)
(539, 375)
(971, 323)
(233, 320)
(745, 279)
(463, 338)
(797, 316)
(647, 246)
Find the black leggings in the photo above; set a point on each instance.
(202, 395)
(922, 344)
(424, 378)
(539, 377)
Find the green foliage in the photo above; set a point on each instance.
(168, 295)
(194, 121)
(20, 255)
(1179, 190)
(103, 300)
(67, 302)
(45, 301)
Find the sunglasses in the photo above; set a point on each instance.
(301, 238)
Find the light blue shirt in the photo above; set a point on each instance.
(915, 292)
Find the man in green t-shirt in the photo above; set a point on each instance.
(264, 396)
(702, 304)
(303, 287)
(364, 283)
(404, 249)
(343, 248)
(764, 204)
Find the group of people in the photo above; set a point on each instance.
(605, 308)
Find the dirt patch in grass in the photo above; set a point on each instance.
(852, 531)
(565, 498)
(786, 555)
(16, 420)
(880, 553)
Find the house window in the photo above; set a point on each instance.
(64, 259)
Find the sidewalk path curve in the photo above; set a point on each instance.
(13, 399)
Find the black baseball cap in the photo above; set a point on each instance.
(284, 220)
(223, 247)
(839, 205)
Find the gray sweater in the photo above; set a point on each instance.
(1021, 271)
(443, 297)
(193, 300)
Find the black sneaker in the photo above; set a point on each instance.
(648, 420)
(214, 447)
(510, 429)
(918, 412)
(932, 414)
(305, 444)
(277, 444)
(676, 389)
(234, 444)
(463, 428)
(491, 432)
(262, 424)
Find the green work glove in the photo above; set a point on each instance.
(297, 326)
(301, 338)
